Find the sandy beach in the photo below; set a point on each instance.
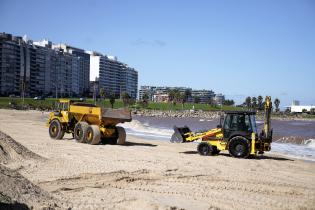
(146, 174)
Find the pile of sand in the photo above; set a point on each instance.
(16, 192)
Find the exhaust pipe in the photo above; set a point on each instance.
(179, 134)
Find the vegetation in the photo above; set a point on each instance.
(145, 100)
(277, 103)
(126, 99)
(260, 103)
(228, 102)
(112, 99)
(49, 104)
(248, 102)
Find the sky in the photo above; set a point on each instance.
(236, 47)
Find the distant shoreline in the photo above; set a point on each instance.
(209, 115)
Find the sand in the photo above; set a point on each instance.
(150, 174)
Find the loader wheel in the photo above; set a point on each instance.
(239, 147)
(204, 148)
(80, 132)
(55, 130)
(93, 134)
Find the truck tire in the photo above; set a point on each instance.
(55, 130)
(80, 132)
(121, 135)
(93, 135)
(239, 147)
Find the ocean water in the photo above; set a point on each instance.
(295, 139)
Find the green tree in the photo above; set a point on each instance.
(210, 101)
(277, 103)
(112, 99)
(174, 96)
(254, 102)
(182, 99)
(229, 102)
(260, 103)
(248, 101)
(187, 94)
(145, 100)
(196, 99)
(125, 98)
(102, 93)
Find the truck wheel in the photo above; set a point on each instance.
(80, 131)
(121, 135)
(239, 147)
(55, 130)
(204, 148)
(93, 134)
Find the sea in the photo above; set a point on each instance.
(291, 138)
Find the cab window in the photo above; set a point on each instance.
(238, 122)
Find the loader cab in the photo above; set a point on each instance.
(239, 123)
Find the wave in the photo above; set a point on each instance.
(145, 130)
(305, 150)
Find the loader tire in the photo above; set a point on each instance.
(121, 135)
(239, 147)
(80, 132)
(204, 148)
(55, 130)
(93, 135)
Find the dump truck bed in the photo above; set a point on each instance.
(119, 115)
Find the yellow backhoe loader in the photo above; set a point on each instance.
(236, 133)
(88, 123)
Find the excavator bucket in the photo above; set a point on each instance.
(179, 134)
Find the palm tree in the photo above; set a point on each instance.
(260, 102)
(102, 93)
(187, 94)
(254, 102)
(145, 100)
(174, 96)
(112, 99)
(196, 99)
(277, 103)
(126, 98)
(182, 99)
(248, 101)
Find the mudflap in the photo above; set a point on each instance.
(179, 134)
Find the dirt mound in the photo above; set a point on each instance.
(10, 150)
(16, 192)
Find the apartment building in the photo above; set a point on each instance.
(114, 76)
(60, 70)
(160, 94)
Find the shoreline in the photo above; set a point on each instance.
(207, 115)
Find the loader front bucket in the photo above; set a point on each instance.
(179, 134)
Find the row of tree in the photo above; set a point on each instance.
(127, 100)
(258, 103)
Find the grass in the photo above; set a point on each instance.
(49, 104)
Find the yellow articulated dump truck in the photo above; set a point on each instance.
(88, 123)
